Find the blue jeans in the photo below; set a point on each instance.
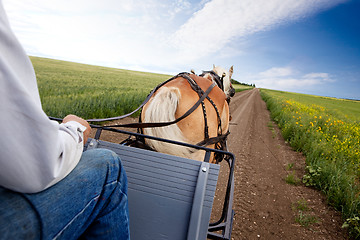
(90, 203)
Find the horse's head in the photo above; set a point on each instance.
(223, 79)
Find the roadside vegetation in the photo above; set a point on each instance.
(239, 87)
(303, 213)
(327, 132)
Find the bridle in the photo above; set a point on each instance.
(216, 78)
(219, 82)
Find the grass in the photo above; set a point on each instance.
(327, 132)
(272, 129)
(241, 87)
(350, 109)
(292, 179)
(91, 91)
(303, 217)
(289, 166)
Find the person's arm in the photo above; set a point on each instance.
(36, 153)
(83, 122)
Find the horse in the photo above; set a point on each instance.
(208, 121)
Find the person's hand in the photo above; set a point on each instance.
(83, 122)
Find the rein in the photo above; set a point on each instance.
(141, 105)
(193, 84)
(163, 124)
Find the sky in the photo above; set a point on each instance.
(304, 46)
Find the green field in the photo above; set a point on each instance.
(348, 108)
(91, 91)
(327, 132)
(240, 87)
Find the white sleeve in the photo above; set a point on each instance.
(36, 153)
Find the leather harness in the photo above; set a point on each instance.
(219, 141)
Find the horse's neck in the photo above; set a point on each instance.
(210, 77)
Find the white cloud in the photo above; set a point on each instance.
(220, 21)
(289, 79)
(148, 33)
(319, 77)
(277, 72)
(113, 32)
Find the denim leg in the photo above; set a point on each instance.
(90, 203)
(18, 220)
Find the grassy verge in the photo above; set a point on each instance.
(329, 136)
(240, 87)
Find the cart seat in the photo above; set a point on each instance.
(169, 197)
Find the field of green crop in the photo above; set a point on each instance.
(91, 91)
(240, 87)
(348, 108)
(327, 132)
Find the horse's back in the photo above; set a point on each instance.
(188, 95)
(192, 128)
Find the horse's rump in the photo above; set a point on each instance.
(170, 102)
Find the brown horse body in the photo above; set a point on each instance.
(174, 99)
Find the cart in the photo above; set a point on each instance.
(171, 197)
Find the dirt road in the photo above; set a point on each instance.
(265, 205)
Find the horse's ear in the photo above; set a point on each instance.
(213, 66)
(231, 71)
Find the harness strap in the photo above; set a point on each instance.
(200, 92)
(197, 89)
(163, 124)
(213, 140)
(142, 104)
(220, 143)
(206, 128)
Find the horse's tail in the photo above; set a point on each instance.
(162, 108)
